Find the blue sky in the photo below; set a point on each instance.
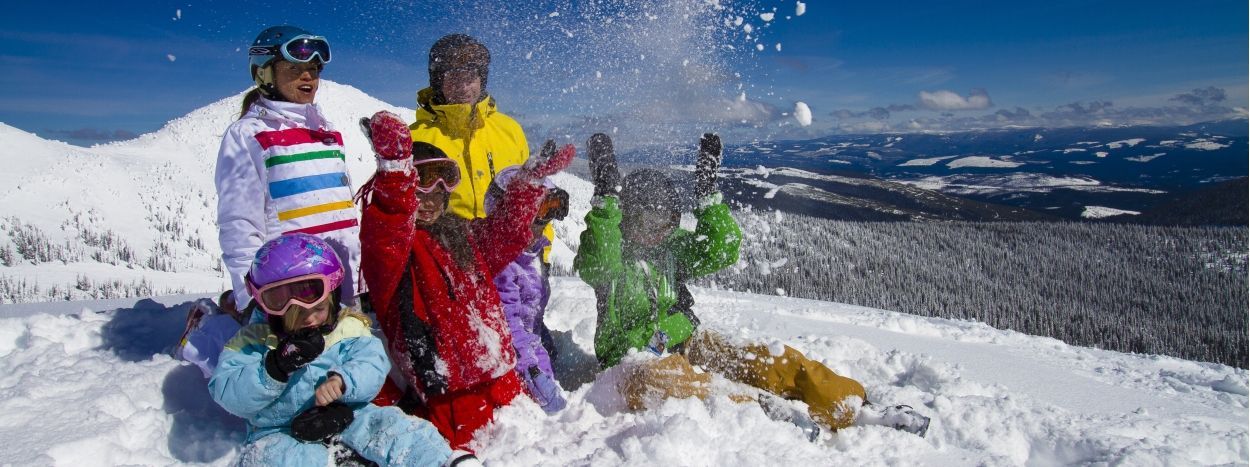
(655, 70)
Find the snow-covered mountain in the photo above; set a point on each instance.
(138, 217)
(84, 384)
(1055, 172)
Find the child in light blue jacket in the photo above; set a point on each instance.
(304, 380)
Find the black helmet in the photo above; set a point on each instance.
(454, 52)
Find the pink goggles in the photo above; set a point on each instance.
(306, 291)
(434, 172)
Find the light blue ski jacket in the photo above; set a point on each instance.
(241, 385)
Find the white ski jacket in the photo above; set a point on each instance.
(281, 169)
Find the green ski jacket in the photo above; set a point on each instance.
(636, 289)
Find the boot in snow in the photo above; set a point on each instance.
(782, 410)
(899, 417)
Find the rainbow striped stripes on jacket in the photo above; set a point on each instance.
(308, 186)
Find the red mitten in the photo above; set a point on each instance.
(550, 161)
(389, 136)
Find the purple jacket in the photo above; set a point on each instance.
(524, 292)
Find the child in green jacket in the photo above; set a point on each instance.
(637, 258)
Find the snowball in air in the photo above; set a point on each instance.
(171, 57)
(800, 8)
(802, 113)
(766, 16)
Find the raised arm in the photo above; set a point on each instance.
(503, 234)
(389, 202)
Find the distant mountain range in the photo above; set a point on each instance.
(1064, 173)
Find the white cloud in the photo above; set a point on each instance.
(949, 100)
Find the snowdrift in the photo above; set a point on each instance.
(91, 383)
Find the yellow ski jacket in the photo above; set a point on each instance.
(480, 138)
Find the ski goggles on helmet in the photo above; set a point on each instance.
(434, 172)
(306, 291)
(299, 49)
(554, 206)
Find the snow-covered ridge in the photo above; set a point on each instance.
(982, 162)
(1015, 182)
(136, 215)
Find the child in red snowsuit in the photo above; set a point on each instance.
(431, 277)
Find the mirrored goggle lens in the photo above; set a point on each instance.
(306, 292)
(433, 172)
(303, 49)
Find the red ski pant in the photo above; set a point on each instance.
(457, 415)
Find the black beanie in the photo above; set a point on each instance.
(422, 150)
(648, 189)
(456, 51)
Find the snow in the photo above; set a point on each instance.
(138, 189)
(924, 162)
(800, 8)
(982, 162)
(1099, 212)
(996, 397)
(1146, 158)
(1022, 182)
(1128, 142)
(1101, 154)
(1206, 145)
(802, 114)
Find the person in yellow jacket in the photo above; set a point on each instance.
(457, 115)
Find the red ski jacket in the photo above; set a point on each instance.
(444, 323)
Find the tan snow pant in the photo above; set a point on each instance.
(790, 375)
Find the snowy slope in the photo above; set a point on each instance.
(81, 385)
(154, 194)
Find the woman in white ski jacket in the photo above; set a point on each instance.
(281, 167)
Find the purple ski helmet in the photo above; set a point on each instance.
(294, 255)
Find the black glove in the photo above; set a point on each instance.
(294, 351)
(707, 165)
(320, 423)
(603, 164)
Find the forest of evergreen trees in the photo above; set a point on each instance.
(1179, 291)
